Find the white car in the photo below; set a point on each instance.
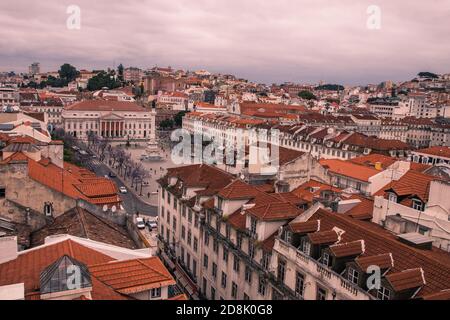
(140, 223)
(123, 189)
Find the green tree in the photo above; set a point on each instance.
(120, 72)
(166, 124)
(178, 118)
(427, 75)
(307, 95)
(68, 73)
(102, 80)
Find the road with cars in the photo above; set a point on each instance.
(131, 201)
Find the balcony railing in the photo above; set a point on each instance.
(319, 270)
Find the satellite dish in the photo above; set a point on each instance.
(114, 209)
(242, 177)
(105, 208)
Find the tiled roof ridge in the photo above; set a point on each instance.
(149, 267)
(82, 221)
(104, 221)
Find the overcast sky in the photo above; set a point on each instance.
(264, 41)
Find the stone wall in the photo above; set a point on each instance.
(29, 193)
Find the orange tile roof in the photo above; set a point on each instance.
(311, 189)
(69, 181)
(27, 267)
(436, 151)
(347, 249)
(103, 105)
(349, 169)
(406, 279)
(412, 184)
(435, 262)
(133, 276)
(371, 159)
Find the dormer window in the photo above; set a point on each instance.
(325, 259)
(305, 246)
(417, 205)
(353, 276)
(383, 293)
(392, 197)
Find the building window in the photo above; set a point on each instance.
(195, 244)
(239, 241)
(265, 260)
(253, 223)
(234, 290)
(213, 293)
(321, 294)
(228, 231)
(248, 274)
(299, 284)
(251, 249)
(223, 281)
(174, 223)
(353, 275)
(306, 246)
(183, 232)
(189, 237)
(281, 270)
(392, 197)
(205, 284)
(236, 263)
(156, 292)
(262, 286)
(215, 246)
(225, 254)
(417, 205)
(2, 192)
(48, 209)
(206, 239)
(383, 293)
(214, 270)
(205, 261)
(326, 259)
(246, 297)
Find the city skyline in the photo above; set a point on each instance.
(270, 43)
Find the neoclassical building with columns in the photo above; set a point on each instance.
(115, 120)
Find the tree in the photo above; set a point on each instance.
(425, 74)
(101, 80)
(178, 119)
(120, 72)
(307, 95)
(68, 73)
(166, 124)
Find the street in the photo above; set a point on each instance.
(131, 202)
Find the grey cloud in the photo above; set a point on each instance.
(267, 41)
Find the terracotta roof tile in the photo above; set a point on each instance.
(407, 279)
(133, 276)
(323, 237)
(348, 249)
(383, 261)
(305, 227)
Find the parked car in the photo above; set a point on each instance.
(122, 189)
(140, 223)
(112, 174)
(152, 225)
